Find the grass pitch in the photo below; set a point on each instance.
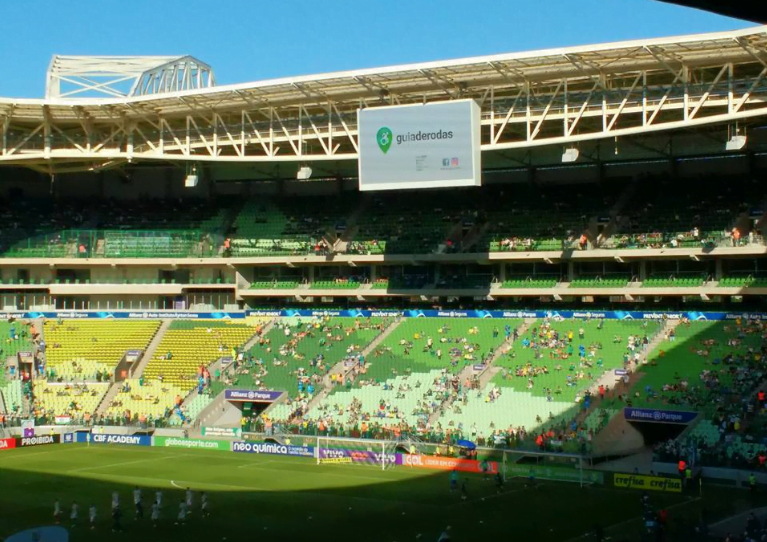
(293, 498)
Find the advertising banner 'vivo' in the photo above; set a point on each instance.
(333, 455)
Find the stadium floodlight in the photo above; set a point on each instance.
(570, 155)
(304, 173)
(735, 143)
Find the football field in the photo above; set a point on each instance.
(256, 496)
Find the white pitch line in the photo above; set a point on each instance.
(109, 466)
(307, 491)
(335, 473)
(29, 453)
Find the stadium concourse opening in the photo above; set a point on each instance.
(658, 432)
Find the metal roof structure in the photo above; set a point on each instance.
(748, 11)
(101, 75)
(121, 76)
(528, 99)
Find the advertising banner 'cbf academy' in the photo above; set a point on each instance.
(420, 146)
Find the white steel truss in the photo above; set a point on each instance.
(556, 97)
(120, 76)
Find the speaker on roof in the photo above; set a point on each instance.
(570, 155)
(735, 143)
(304, 173)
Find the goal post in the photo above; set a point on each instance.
(336, 450)
(545, 466)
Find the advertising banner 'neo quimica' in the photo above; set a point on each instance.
(432, 145)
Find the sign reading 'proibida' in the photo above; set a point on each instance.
(39, 441)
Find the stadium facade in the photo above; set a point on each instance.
(655, 123)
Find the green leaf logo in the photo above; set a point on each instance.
(384, 138)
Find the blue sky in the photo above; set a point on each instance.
(248, 40)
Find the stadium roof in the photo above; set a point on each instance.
(415, 82)
(747, 11)
(119, 76)
(715, 83)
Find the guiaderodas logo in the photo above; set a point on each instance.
(384, 138)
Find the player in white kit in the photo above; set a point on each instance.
(92, 516)
(115, 500)
(204, 506)
(158, 498)
(136, 495)
(155, 513)
(57, 511)
(181, 513)
(73, 513)
(189, 498)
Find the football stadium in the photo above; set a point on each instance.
(512, 296)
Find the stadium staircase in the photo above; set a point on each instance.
(608, 378)
(352, 228)
(216, 407)
(254, 339)
(473, 236)
(485, 376)
(150, 350)
(341, 368)
(109, 396)
(619, 436)
(615, 211)
(26, 406)
(114, 389)
(218, 402)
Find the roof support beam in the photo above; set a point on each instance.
(546, 111)
(584, 105)
(624, 102)
(497, 136)
(706, 94)
(746, 95)
(665, 97)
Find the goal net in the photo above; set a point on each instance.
(545, 466)
(345, 451)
